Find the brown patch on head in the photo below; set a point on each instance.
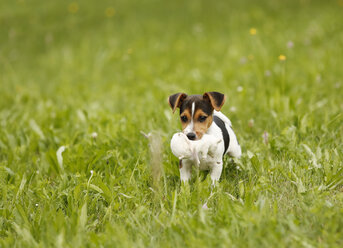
(202, 122)
(185, 117)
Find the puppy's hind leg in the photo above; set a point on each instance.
(235, 151)
(234, 147)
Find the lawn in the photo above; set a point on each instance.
(80, 81)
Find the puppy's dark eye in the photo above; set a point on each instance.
(202, 118)
(184, 118)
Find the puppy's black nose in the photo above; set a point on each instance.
(191, 136)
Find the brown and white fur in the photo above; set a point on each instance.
(199, 115)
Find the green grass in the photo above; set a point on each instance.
(65, 75)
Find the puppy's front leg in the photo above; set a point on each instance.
(185, 167)
(216, 171)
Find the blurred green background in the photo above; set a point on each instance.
(72, 68)
(152, 48)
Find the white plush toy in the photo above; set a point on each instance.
(201, 151)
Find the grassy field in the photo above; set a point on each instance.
(89, 76)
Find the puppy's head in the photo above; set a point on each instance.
(196, 111)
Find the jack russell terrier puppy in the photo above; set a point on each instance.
(199, 115)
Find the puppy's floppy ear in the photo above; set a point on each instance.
(217, 99)
(175, 100)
